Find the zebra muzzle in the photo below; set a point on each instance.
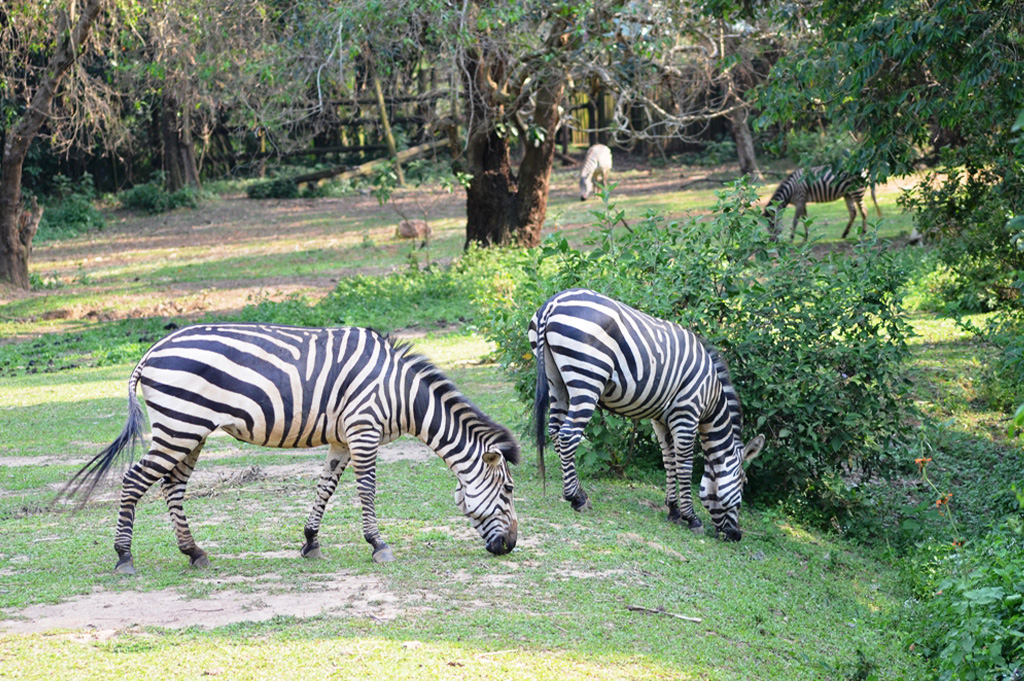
(499, 546)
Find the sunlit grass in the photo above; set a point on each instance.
(787, 603)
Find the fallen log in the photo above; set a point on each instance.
(347, 172)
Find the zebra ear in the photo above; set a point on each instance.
(753, 448)
(492, 457)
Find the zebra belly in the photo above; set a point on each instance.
(627, 405)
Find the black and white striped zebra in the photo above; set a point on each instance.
(282, 386)
(819, 185)
(592, 350)
(597, 162)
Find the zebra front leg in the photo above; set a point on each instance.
(174, 484)
(365, 463)
(852, 210)
(684, 436)
(136, 481)
(801, 212)
(337, 459)
(671, 481)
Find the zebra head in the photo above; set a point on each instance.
(721, 488)
(586, 187)
(484, 493)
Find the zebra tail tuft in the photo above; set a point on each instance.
(91, 474)
(540, 408)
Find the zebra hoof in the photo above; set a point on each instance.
(125, 566)
(383, 555)
(696, 526)
(199, 562)
(312, 553)
(581, 503)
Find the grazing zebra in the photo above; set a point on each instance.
(821, 185)
(598, 161)
(285, 386)
(592, 350)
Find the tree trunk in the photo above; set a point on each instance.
(17, 226)
(389, 138)
(535, 170)
(744, 139)
(501, 209)
(179, 154)
(491, 195)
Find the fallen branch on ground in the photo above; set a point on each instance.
(662, 611)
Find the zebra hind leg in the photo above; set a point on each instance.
(569, 436)
(174, 484)
(136, 481)
(337, 460)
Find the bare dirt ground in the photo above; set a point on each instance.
(105, 613)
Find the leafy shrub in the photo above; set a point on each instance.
(816, 345)
(70, 211)
(715, 153)
(281, 188)
(971, 615)
(153, 198)
(964, 213)
(410, 297)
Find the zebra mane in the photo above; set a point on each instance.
(732, 398)
(506, 443)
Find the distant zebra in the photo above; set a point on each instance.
(598, 161)
(821, 185)
(284, 386)
(592, 350)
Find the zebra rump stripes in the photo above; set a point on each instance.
(290, 387)
(819, 185)
(598, 161)
(592, 350)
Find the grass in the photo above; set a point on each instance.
(789, 602)
(788, 599)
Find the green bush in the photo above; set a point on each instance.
(971, 610)
(432, 297)
(70, 211)
(281, 188)
(816, 344)
(152, 198)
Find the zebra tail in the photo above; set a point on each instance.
(85, 480)
(874, 201)
(540, 409)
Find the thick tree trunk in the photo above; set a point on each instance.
(535, 170)
(179, 154)
(744, 139)
(500, 208)
(491, 195)
(17, 226)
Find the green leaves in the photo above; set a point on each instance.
(816, 344)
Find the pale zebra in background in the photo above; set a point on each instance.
(592, 350)
(818, 185)
(598, 161)
(292, 387)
